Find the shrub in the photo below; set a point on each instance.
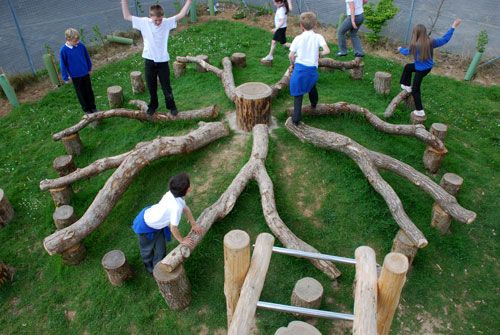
(482, 40)
(377, 16)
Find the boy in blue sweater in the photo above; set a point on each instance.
(76, 64)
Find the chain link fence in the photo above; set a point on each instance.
(28, 28)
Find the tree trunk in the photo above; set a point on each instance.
(61, 195)
(433, 157)
(365, 296)
(403, 95)
(298, 328)
(115, 96)
(73, 144)
(6, 273)
(6, 210)
(203, 58)
(74, 255)
(253, 105)
(308, 293)
(417, 119)
(116, 267)
(64, 216)
(64, 165)
(179, 69)
(174, 286)
(382, 82)
(239, 59)
(403, 245)
(137, 82)
(339, 65)
(441, 220)
(357, 72)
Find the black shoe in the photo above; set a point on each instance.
(93, 111)
(296, 123)
(174, 112)
(341, 54)
(359, 55)
(151, 111)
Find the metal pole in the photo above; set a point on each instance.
(409, 22)
(313, 255)
(305, 311)
(21, 36)
(136, 8)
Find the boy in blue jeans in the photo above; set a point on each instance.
(76, 64)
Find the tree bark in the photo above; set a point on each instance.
(308, 293)
(434, 157)
(116, 267)
(365, 296)
(253, 105)
(115, 96)
(403, 245)
(117, 184)
(61, 195)
(441, 220)
(64, 216)
(74, 255)
(64, 165)
(389, 111)
(179, 69)
(6, 210)
(137, 82)
(6, 273)
(174, 286)
(296, 328)
(239, 59)
(203, 59)
(282, 83)
(339, 65)
(382, 82)
(417, 119)
(265, 62)
(72, 143)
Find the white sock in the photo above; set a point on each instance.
(406, 88)
(419, 112)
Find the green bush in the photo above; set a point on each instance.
(482, 40)
(377, 16)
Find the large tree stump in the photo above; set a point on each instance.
(179, 69)
(253, 105)
(137, 82)
(307, 293)
(382, 82)
(239, 59)
(73, 144)
(64, 216)
(441, 220)
(433, 157)
(403, 245)
(417, 119)
(116, 266)
(6, 273)
(64, 165)
(298, 328)
(6, 210)
(74, 255)
(61, 195)
(174, 286)
(199, 67)
(115, 96)
(358, 71)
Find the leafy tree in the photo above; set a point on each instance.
(376, 16)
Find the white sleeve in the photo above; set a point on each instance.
(175, 217)
(295, 45)
(170, 22)
(281, 13)
(321, 40)
(138, 22)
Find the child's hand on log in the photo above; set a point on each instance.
(197, 229)
(188, 241)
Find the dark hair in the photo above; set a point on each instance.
(156, 10)
(179, 184)
(287, 6)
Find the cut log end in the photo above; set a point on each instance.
(236, 240)
(396, 263)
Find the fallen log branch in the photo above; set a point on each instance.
(282, 83)
(204, 113)
(417, 131)
(117, 184)
(403, 95)
(253, 169)
(339, 65)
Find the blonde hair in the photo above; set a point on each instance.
(71, 33)
(156, 10)
(308, 20)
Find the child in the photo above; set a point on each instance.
(154, 223)
(351, 24)
(304, 55)
(76, 64)
(155, 31)
(421, 46)
(279, 31)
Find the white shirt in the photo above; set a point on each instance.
(358, 7)
(306, 47)
(155, 37)
(167, 212)
(280, 14)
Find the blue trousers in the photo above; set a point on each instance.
(345, 27)
(152, 251)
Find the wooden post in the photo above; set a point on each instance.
(115, 96)
(6, 210)
(200, 68)
(253, 105)
(137, 82)
(365, 295)
(236, 264)
(6, 273)
(432, 157)
(74, 255)
(73, 144)
(390, 284)
(116, 266)
(64, 165)
(61, 195)
(298, 328)
(358, 71)
(64, 216)
(382, 82)
(244, 315)
(416, 119)
(179, 69)
(403, 245)
(307, 293)
(441, 220)
(174, 286)
(239, 59)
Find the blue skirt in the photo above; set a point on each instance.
(139, 226)
(303, 79)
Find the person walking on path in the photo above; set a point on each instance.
(351, 24)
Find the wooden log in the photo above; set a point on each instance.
(64, 216)
(137, 82)
(340, 65)
(6, 210)
(417, 119)
(179, 69)
(401, 96)
(64, 165)
(115, 96)
(73, 144)
(61, 195)
(298, 328)
(236, 264)
(74, 255)
(365, 295)
(199, 67)
(382, 82)
(266, 62)
(403, 245)
(239, 59)
(433, 157)
(6, 273)
(409, 102)
(439, 130)
(253, 105)
(116, 267)
(441, 220)
(308, 293)
(357, 72)
(390, 284)
(244, 315)
(174, 286)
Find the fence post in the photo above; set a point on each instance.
(21, 36)
(409, 22)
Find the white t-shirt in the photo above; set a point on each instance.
(358, 7)
(155, 37)
(167, 212)
(280, 14)
(306, 47)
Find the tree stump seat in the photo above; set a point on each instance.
(6, 210)
(64, 165)
(137, 82)
(74, 255)
(6, 273)
(73, 144)
(441, 220)
(179, 69)
(382, 82)
(174, 286)
(253, 105)
(61, 195)
(239, 59)
(115, 96)
(307, 293)
(116, 267)
(298, 328)
(433, 158)
(64, 216)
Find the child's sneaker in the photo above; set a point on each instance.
(268, 58)
(420, 113)
(406, 88)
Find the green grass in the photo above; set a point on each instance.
(454, 282)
